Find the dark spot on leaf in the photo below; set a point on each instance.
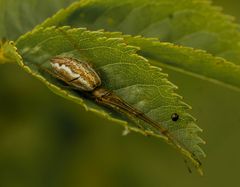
(175, 116)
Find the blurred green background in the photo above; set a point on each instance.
(46, 140)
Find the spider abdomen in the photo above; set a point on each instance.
(75, 73)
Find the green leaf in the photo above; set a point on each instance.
(8, 52)
(189, 61)
(18, 17)
(191, 23)
(122, 71)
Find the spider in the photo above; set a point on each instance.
(81, 76)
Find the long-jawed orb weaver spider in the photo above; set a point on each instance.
(81, 76)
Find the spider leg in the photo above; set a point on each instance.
(108, 98)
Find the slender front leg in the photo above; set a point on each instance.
(108, 98)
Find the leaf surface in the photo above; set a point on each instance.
(123, 71)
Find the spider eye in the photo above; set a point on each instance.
(175, 116)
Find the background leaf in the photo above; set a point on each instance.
(18, 17)
(190, 22)
(195, 24)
